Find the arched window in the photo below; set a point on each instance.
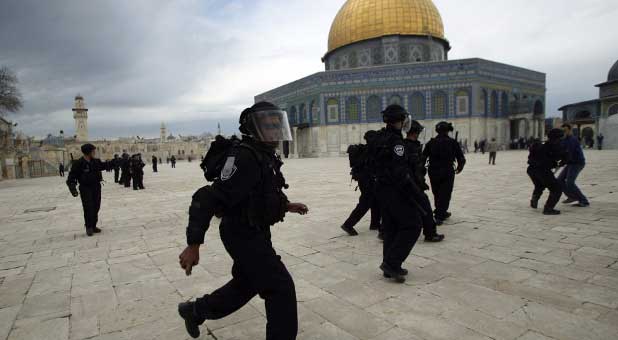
(505, 103)
(482, 107)
(612, 110)
(395, 99)
(538, 108)
(417, 55)
(462, 101)
(315, 112)
(292, 115)
(439, 105)
(302, 112)
(332, 107)
(417, 106)
(493, 104)
(353, 109)
(374, 109)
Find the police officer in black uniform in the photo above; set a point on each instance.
(155, 163)
(441, 152)
(116, 166)
(249, 197)
(137, 171)
(542, 160)
(87, 172)
(125, 166)
(396, 191)
(414, 150)
(367, 200)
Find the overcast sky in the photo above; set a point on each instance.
(193, 63)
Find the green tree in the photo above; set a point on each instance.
(10, 97)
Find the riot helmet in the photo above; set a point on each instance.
(414, 127)
(444, 127)
(265, 122)
(395, 113)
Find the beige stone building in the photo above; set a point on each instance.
(163, 147)
(15, 161)
(22, 157)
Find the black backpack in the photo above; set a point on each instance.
(215, 158)
(357, 154)
(375, 144)
(363, 157)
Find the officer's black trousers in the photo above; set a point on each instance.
(138, 181)
(366, 201)
(127, 180)
(91, 202)
(401, 225)
(154, 167)
(429, 223)
(257, 270)
(545, 179)
(442, 181)
(116, 175)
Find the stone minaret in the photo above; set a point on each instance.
(163, 132)
(80, 114)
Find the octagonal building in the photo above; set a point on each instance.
(382, 52)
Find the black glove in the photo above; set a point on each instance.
(74, 192)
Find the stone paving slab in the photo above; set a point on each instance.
(505, 271)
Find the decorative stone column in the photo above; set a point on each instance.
(532, 131)
(295, 142)
(363, 105)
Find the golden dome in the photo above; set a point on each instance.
(360, 20)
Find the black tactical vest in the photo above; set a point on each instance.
(267, 202)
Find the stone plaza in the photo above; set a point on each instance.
(504, 272)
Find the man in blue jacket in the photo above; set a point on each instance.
(574, 166)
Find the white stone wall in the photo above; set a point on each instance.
(333, 140)
(107, 149)
(609, 129)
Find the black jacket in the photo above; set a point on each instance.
(391, 165)
(86, 173)
(442, 152)
(547, 156)
(414, 154)
(250, 189)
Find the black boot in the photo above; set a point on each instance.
(402, 271)
(534, 202)
(569, 201)
(551, 212)
(192, 323)
(350, 230)
(89, 231)
(439, 221)
(96, 230)
(434, 238)
(395, 274)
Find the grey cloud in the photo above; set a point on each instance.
(140, 62)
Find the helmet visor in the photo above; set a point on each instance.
(407, 124)
(271, 126)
